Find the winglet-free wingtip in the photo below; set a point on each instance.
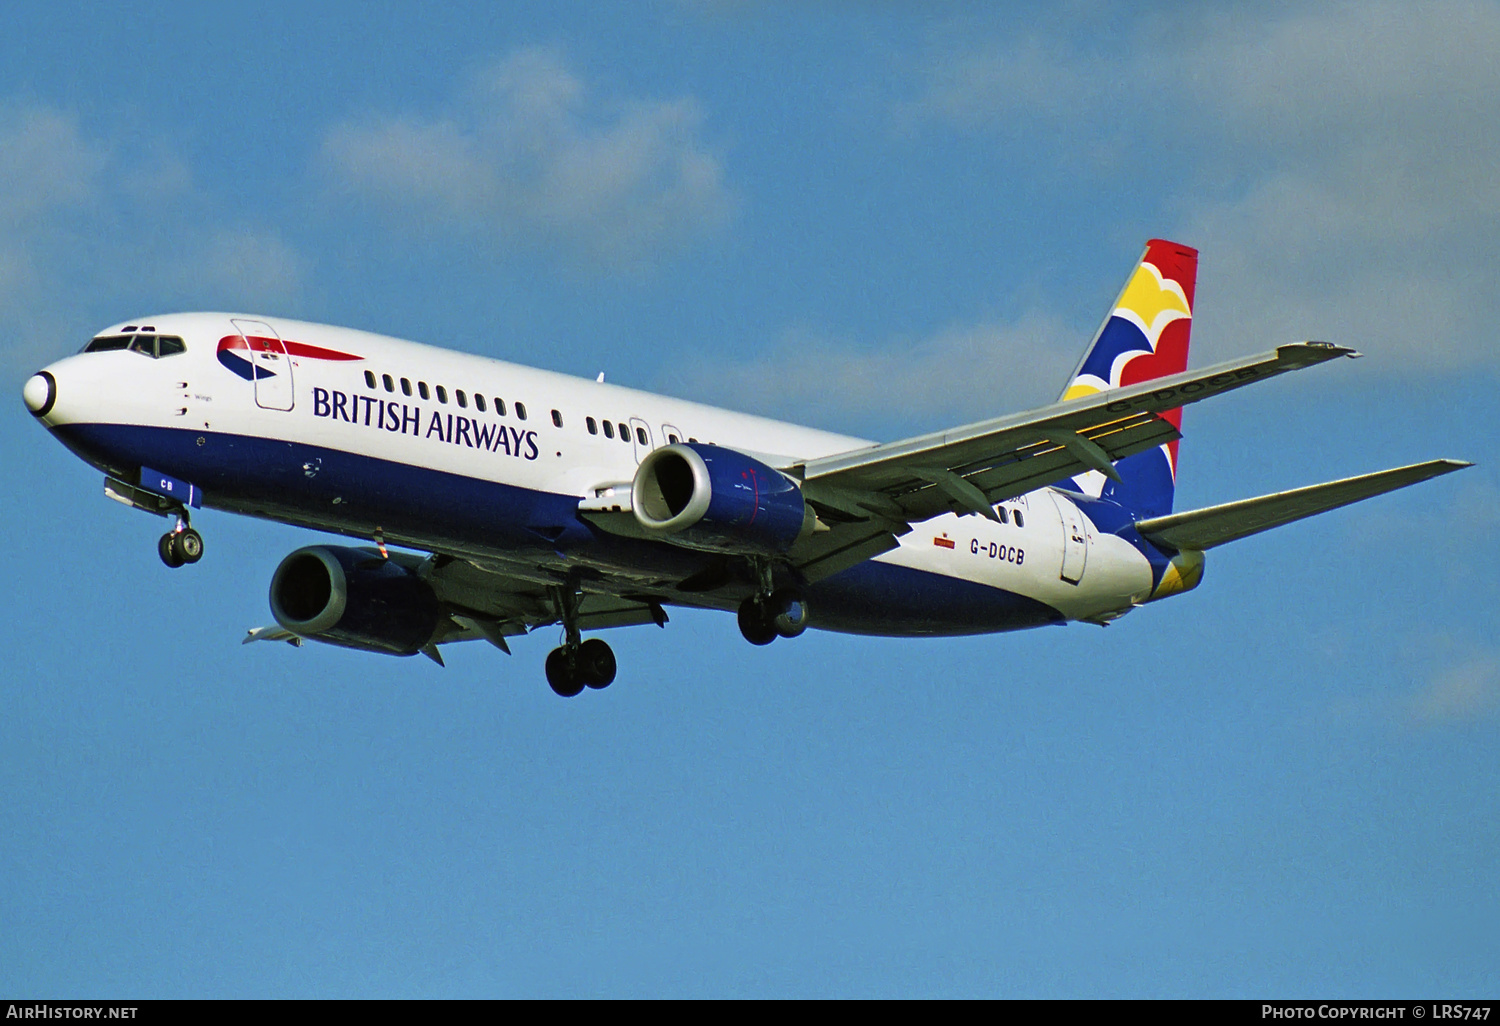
(1305, 354)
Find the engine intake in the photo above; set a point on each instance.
(719, 500)
(354, 598)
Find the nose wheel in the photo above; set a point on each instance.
(180, 545)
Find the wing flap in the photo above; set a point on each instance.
(846, 545)
(1041, 463)
(1216, 525)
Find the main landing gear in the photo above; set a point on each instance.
(577, 664)
(181, 544)
(773, 613)
(590, 664)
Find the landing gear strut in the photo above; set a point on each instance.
(773, 613)
(577, 664)
(181, 544)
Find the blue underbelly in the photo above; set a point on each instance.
(353, 494)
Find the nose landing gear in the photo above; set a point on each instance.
(162, 495)
(181, 544)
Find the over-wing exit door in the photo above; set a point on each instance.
(640, 434)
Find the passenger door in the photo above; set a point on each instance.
(269, 362)
(1075, 539)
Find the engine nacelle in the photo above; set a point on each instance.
(354, 598)
(719, 500)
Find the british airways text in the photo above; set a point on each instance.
(406, 419)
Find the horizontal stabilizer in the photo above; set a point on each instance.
(1215, 525)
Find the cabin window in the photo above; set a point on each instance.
(1020, 522)
(624, 432)
(442, 394)
(390, 385)
(640, 436)
(609, 430)
(406, 386)
(593, 425)
(1000, 512)
(369, 379)
(479, 403)
(422, 390)
(692, 439)
(499, 406)
(463, 400)
(556, 419)
(520, 411)
(672, 438)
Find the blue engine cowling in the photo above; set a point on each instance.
(719, 500)
(354, 598)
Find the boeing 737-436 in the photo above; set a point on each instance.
(530, 498)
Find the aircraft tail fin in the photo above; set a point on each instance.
(1144, 337)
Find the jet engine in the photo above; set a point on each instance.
(719, 500)
(354, 598)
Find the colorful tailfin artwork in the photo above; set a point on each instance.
(1144, 337)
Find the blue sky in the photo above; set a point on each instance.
(874, 218)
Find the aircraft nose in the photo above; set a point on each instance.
(40, 393)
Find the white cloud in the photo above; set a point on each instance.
(960, 373)
(528, 155)
(45, 165)
(247, 267)
(65, 196)
(1462, 693)
(974, 83)
(1343, 160)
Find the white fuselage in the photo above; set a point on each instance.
(437, 410)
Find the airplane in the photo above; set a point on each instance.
(524, 498)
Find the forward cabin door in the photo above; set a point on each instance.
(1075, 539)
(269, 363)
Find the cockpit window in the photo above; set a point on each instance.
(154, 346)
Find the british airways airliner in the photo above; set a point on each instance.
(525, 498)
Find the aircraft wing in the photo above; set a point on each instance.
(870, 496)
(493, 602)
(1215, 525)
